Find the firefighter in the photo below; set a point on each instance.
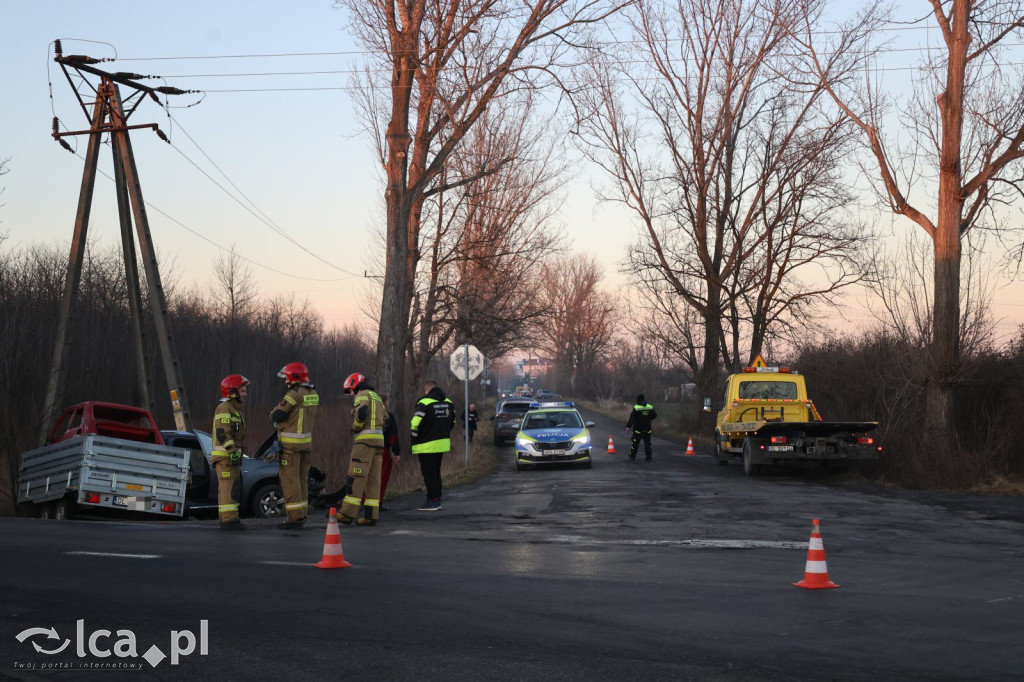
(363, 483)
(228, 446)
(431, 438)
(640, 421)
(293, 418)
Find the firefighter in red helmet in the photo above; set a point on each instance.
(293, 418)
(368, 418)
(228, 446)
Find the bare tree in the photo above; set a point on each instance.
(732, 172)
(448, 61)
(486, 237)
(236, 295)
(966, 134)
(578, 330)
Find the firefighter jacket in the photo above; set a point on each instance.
(368, 417)
(294, 417)
(432, 423)
(641, 417)
(228, 429)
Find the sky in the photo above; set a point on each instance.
(251, 157)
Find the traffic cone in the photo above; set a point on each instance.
(689, 448)
(816, 572)
(611, 446)
(334, 556)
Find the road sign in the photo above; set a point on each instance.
(458, 363)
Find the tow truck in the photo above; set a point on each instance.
(767, 418)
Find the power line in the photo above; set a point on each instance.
(254, 210)
(213, 243)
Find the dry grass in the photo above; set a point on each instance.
(1000, 485)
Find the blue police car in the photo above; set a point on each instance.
(553, 433)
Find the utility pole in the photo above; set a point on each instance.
(109, 116)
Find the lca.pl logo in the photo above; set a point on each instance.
(99, 645)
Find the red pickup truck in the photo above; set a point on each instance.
(106, 419)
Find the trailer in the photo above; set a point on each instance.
(101, 472)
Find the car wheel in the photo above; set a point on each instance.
(64, 509)
(498, 440)
(586, 465)
(749, 468)
(268, 501)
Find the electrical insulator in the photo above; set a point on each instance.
(81, 59)
(160, 134)
(64, 143)
(168, 90)
(132, 76)
(57, 49)
(154, 97)
(56, 123)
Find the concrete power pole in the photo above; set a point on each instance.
(110, 117)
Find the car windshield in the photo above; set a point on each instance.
(553, 420)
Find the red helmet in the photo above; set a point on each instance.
(294, 372)
(353, 381)
(231, 384)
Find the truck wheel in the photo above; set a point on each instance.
(719, 457)
(44, 510)
(749, 468)
(64, 509)
(268, 501)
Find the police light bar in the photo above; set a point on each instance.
(567, 403)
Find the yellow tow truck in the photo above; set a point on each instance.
(767, 419)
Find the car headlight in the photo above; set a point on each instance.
(582, 441)
(523, 444)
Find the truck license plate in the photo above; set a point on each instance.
(121, 501)
(780, 448)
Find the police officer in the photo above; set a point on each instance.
(228, 446)
(293, 417)
(640, 421)
(368, 418)
(431, 438)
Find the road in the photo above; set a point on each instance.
(673, 570)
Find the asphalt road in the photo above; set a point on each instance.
(673, 570)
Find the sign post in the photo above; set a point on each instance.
(466, 363)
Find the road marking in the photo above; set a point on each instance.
(114, 554)
(286, 563)
(698, 543)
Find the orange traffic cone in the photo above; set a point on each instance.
(816, 572)
(334, 556)
(611, 446)
(689, 447)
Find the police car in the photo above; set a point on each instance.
(553, 433)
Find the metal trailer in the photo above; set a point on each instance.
(104, 472)
(837, 444)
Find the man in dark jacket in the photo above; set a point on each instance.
(640, 421)
(431, 438)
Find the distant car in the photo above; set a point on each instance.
(262, 495)
(544, 395)
(508, 413)
(553, 433)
